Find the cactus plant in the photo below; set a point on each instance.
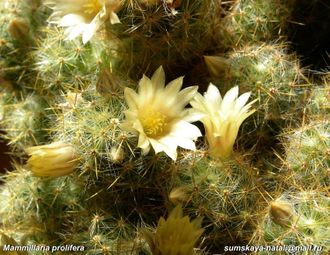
(121, 142)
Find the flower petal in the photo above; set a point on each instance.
(192, 115)
(156, 145)
(143, 141)
(131, 98)
(127, 126)
(114, 18)
(186, 130)
(174, 87)
(168, 146)
(146, 88)
(213, 96)
(158, 78)
(199, 103)
(71, 20)
(228, 100)
(91, 28)
(242, 99)
(145, 150)
(185, 143)
(187, 94)
(74, 31)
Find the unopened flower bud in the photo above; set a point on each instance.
(19, 29)
(117, 154)
(9, 241)
(281, 212)
(216, 65)
(178, 195)
(52, 160)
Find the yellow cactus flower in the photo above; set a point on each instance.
(222, 118)
(176, 235)
(157, 115)
(52, 160)
(83, 16)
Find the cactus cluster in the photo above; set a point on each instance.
(164, 127)
(256, 21)
(307, 153)
(24, 120)
(224, 193)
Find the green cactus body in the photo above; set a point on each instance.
(309, 224)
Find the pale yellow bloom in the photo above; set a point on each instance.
(83, 17)
(222, 118)
(54, 160)
(176, 235)
(157, 115)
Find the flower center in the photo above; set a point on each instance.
(92, 8)
(154, 123)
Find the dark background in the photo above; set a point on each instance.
(311, 39)
(4, 158)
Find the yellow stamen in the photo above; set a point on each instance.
(92, 8)
(154, 123)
